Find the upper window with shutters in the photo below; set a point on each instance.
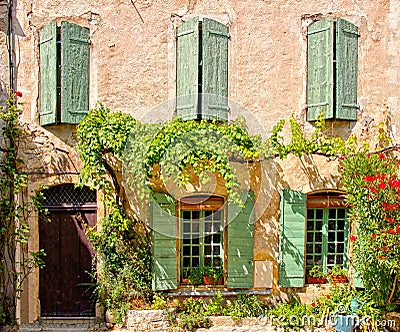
(202, 70)
(332, 70)
(64, 73)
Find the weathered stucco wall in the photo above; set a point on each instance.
(132, 68)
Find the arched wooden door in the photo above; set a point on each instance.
(63, 282)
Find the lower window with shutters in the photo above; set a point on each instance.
(326, 232)
(199, 231)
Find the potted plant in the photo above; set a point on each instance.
(337, 274)
(316, 275)
(213, 275)
(195, 276)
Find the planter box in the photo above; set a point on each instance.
(313, 280)
(207, 280)
(338, 279)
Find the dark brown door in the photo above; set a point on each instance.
(62, 289)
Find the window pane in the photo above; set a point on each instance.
(341, 213)
(186, 261)
(310, 214)
(339, 259)
(196, 251)
(332, 214)
(218, 215)
(208, 215)
(340, 225)
(319, 213)
(186, 240)
(310, 225)
(340, 236)
(340, 248)
(186, 250)
(195, 240)
(318, 248)
(216, 250)
(195, 215)
(331, 248)
(318, 225)
(207, 261)
(207, 239)
(186, 227)
(195, 261)
(216, 226)
(318, 237)
(207, 250)
(310, 237)
(331, 259)
(331, 236)
(207, 227)
(216, 238)
(195, 227)
(310, 248)
(309, 260)
(317, 260)
(186, 215)
(331, 225)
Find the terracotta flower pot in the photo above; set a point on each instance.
(207, 280)
(338, 279)
(316, 280)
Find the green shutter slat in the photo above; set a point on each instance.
(187, 71)
(241, 243)
(320, 69)
(163, 225)
(292, 238)
(74, 72)
(215, 70)
(346, 70)
(48, 74)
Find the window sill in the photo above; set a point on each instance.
(212, 290)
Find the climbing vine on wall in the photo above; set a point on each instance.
(15, 209)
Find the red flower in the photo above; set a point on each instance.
(374, 190)
(381, 156)
(380, 257)
(391, 231)
(391, 220)
(398, 230)
(382, 185)
(18, 94)
(374, 235)
(368, 155)
(328, 297)
(353, 238)
(313, 304)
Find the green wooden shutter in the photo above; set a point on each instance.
(241, 243)
(48, 74)
(320, 69)
(215, 70)
(187, 71)
(346, 70)
(292, 238)
(74, 72)
(163, 225)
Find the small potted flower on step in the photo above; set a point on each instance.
(316, 275)
(337, 274)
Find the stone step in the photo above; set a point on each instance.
(64, 325)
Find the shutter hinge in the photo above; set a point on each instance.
(318, 30)
(44, 41)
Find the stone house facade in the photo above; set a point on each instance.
(270, 60)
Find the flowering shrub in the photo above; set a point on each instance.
(373, 185)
